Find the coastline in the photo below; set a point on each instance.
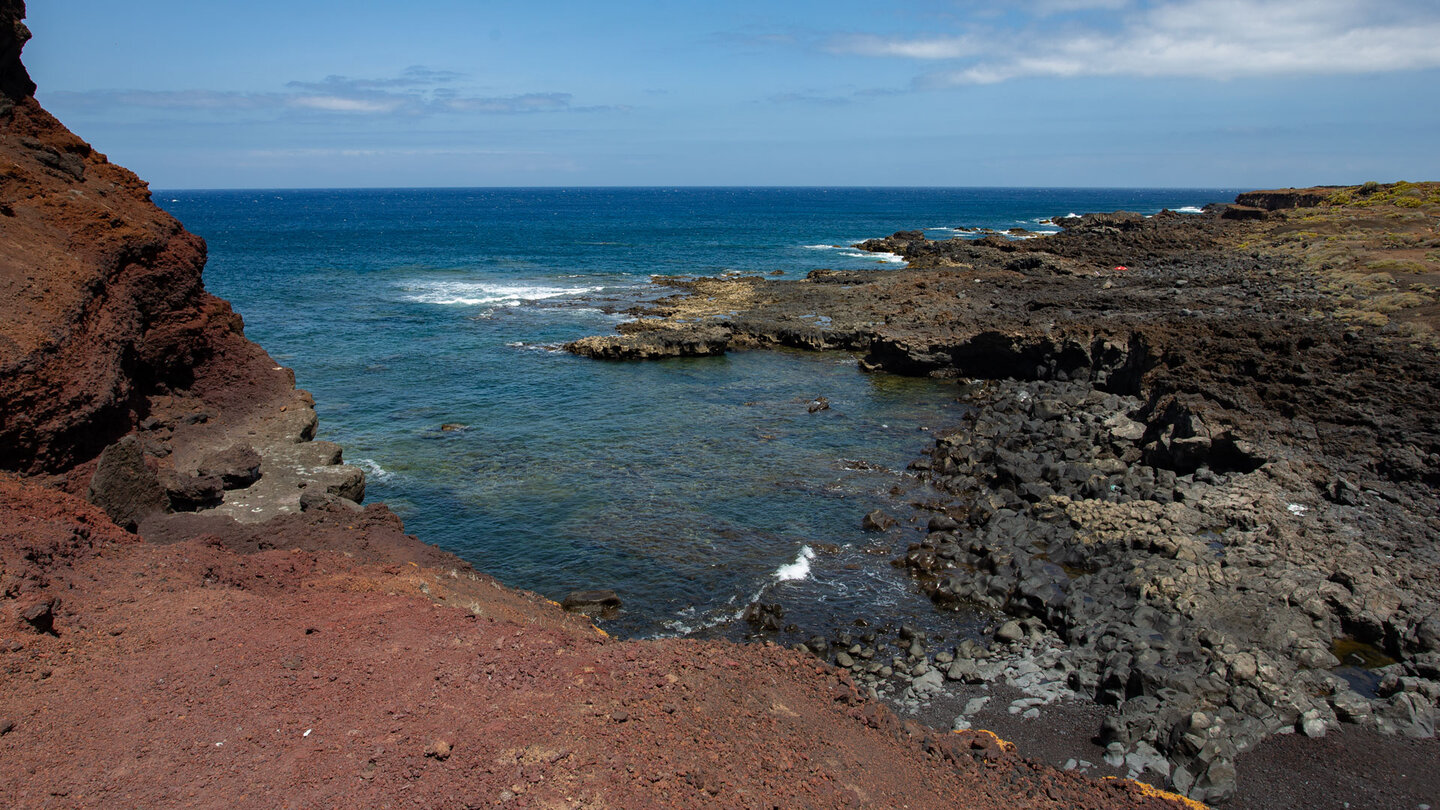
(1194, 470)
(1208, 443)
(265, 640)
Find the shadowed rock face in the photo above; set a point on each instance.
(101, 302)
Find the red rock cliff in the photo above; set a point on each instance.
(101, 301)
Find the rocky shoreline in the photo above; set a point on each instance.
(1199, 473)
(196, 611)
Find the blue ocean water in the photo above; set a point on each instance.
(691, 487)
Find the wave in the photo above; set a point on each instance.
(373, 470)
(800, 569)
(691, 620)
(475, 293)
(1190, 209)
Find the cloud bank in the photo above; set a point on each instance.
(417, 91)
(1211, 39)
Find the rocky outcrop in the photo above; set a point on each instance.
(101, 303)
(108, 339)
(1196, 476)
(1280, 199)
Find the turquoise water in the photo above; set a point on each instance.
(691, 487)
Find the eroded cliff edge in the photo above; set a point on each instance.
(274, 644)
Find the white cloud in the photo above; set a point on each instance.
(1218, 39)
(416, 91)
(341, 104)
(925, 48)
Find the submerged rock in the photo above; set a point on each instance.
(591, 602)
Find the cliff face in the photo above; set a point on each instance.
(101, 301)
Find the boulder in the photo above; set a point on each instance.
(877, 521)
(591, 602)
(189, 493)
(125, 486)
(237, 466)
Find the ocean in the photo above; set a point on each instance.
(427, 322)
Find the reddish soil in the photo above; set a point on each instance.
(188, 675)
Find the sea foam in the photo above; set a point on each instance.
(800, 569)
(373, 470)
(475, 293)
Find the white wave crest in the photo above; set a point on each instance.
(476, 293)
(373, 470)
(1190, 209)
(800, 569)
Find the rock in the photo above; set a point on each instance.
(188, 493)
(1350, 707)
(6, 726)
(345, 482)
(1409, 714)
(591, 602)
(1427, 634)
(1217, 784)
(818, 404)
(1243, 667)
(312, 500)
(41, 616)
(453, 427)
(124, 486)
(942, 523)
(1243, 213)
(1278, 199)
(877, 521)
(237, 466)
(1010, 632)
(928, 684)
(437, 749)
(843, 659)
(965, 670)
(764, 616)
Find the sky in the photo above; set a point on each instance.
(1090, 93)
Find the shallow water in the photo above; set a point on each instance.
(691, 487)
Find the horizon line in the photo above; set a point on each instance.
(700, 187)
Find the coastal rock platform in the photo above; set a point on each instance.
(1198, 476)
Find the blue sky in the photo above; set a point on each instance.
(1218, 93)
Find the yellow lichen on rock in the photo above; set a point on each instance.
(1152, 792)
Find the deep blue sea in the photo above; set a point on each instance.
(691, 487)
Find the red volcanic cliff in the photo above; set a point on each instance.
(101, 301)
(274, 644)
